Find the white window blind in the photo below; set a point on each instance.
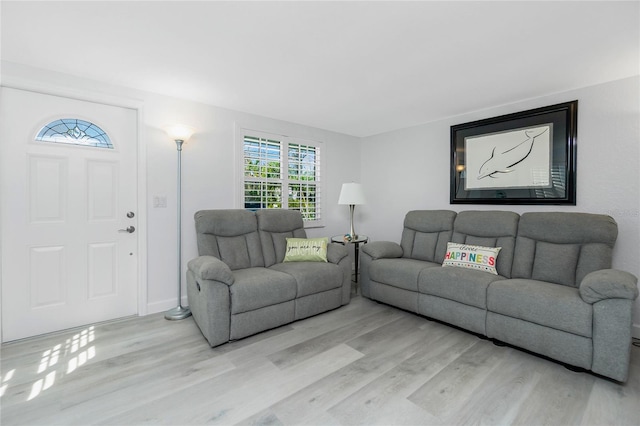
(282, 172)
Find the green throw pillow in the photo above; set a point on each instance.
(306, 250)
(472, 257)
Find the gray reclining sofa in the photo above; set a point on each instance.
(239, 285)
(554, 293)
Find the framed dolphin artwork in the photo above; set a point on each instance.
(527, 157)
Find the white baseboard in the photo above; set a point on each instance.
(164, 305)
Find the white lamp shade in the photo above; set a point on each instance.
(351, 193)
(178, 132)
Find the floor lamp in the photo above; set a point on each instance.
(351, 194)
(180, 134)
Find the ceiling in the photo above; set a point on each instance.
(359, 68)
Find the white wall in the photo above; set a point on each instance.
(210, 179)
(409, 168)
(209, 176)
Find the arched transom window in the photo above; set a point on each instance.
(74, 131)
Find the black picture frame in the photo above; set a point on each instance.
(527, 157)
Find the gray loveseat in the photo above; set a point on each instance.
(239, 285)
(554, 293)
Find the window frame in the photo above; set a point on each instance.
(284, 141)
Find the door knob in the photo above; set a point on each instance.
(130, 229)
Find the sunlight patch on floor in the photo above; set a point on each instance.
(75, 351)
(5, 381)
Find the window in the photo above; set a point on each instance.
(73, 131)
(282, 172)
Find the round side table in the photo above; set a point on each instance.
(360, 239)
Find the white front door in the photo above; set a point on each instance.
(68, 258)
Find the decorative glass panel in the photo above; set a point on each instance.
(74, 132)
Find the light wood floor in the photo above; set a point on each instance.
(365, 363)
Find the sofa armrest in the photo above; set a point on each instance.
(608, 284)
(211, 268)
(336, 252)
(382, 249)
(210, 304)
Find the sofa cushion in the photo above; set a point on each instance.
(306, 250)
(543, 303)
(563, 247)
(490, 229)
(231, 236)
(469, 256)
(548, 263)
(459, 284)
(275, 226)
(311, 277)
(234, 251)
(402, 273)
(426, 233)
(256, 288)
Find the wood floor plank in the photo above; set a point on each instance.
(559, 397)
(447, 392)
(391, 389)
(263, 418)
(348, 331)
(85, 367)
(107, 386)
(401, 412)
(501, 395)
(310, 402)
(229, 403)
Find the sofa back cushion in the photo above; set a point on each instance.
(563, 247)
(426, 234)
(231, 236)
(489, 229)
(275, 226)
